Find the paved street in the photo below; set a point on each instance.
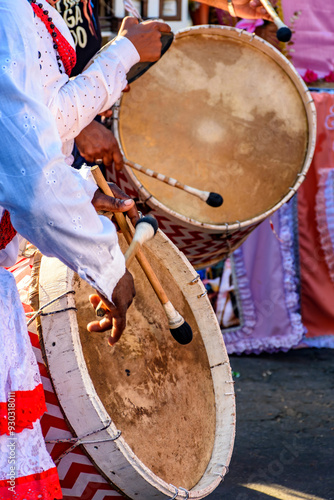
(284, 445)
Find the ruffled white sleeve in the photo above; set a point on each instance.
(46, 199)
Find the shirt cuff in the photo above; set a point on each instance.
(113, 270)
(126, 52)
(89, 184)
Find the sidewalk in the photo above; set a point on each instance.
(284, 445)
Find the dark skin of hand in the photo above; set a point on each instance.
(248, 9)
(97, 142)
(115, 318)
(145, 36)
(124, 291)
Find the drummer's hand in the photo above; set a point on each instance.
(121, 203)
(115, 319)
(97, 142)
(250, 9)
(107, 114)
(247, 9)
(146, 37)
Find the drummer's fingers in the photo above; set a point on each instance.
(132, 212)
(94, 299)
(106, 203)
(118, 158)
(119, 323)
(260, 10)
(105, 323)
(128, 22)
(158, 26)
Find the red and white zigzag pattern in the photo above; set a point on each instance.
(79, 479)
(200, 247)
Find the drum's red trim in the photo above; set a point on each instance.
(21, 410)
(7, 232)
(43, 486)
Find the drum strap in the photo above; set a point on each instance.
(7, 232)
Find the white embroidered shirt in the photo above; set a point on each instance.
(49, 202)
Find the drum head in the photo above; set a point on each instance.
(223, 111)
(173, 404)
(159, 393)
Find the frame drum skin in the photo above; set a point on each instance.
(222, 111)
(173, 404)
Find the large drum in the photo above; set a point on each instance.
(156, 418)
(222, 111)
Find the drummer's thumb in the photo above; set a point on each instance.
(128, 22)
(122, 205)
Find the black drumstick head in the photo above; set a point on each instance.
(149, 220)
(284, 34)
(183, 334)
(215, 200)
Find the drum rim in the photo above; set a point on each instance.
(310, 112)
(57, 354)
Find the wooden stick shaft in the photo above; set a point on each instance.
(168, 180)
(272, 12)
(121, 221)
(131, 252)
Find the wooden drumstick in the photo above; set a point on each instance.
(146, 229)
(283, 31)
(212, 199)
(179, 328)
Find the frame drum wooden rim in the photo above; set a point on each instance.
(310, 111)
(84, 409)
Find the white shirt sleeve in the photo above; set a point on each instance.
(96, 89)
(46, 198)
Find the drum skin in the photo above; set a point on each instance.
(173, 404)
(222, 111)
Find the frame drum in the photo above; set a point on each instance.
(173, 404)
(222, 111)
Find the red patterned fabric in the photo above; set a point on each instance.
(79, 479)
(65, 50)
(317, 292)
(27, 406)
(34, 487)
(7, 232)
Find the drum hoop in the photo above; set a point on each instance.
(310, 111)
(88, 412)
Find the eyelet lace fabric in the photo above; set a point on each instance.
(18, 369)
(27, 471)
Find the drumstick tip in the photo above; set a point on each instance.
(148, 219)
(284, 34)
(214, 200)
(182, 334)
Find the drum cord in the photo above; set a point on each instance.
(79, 440)
(40, 313)
(188, 492)
(177, 492)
